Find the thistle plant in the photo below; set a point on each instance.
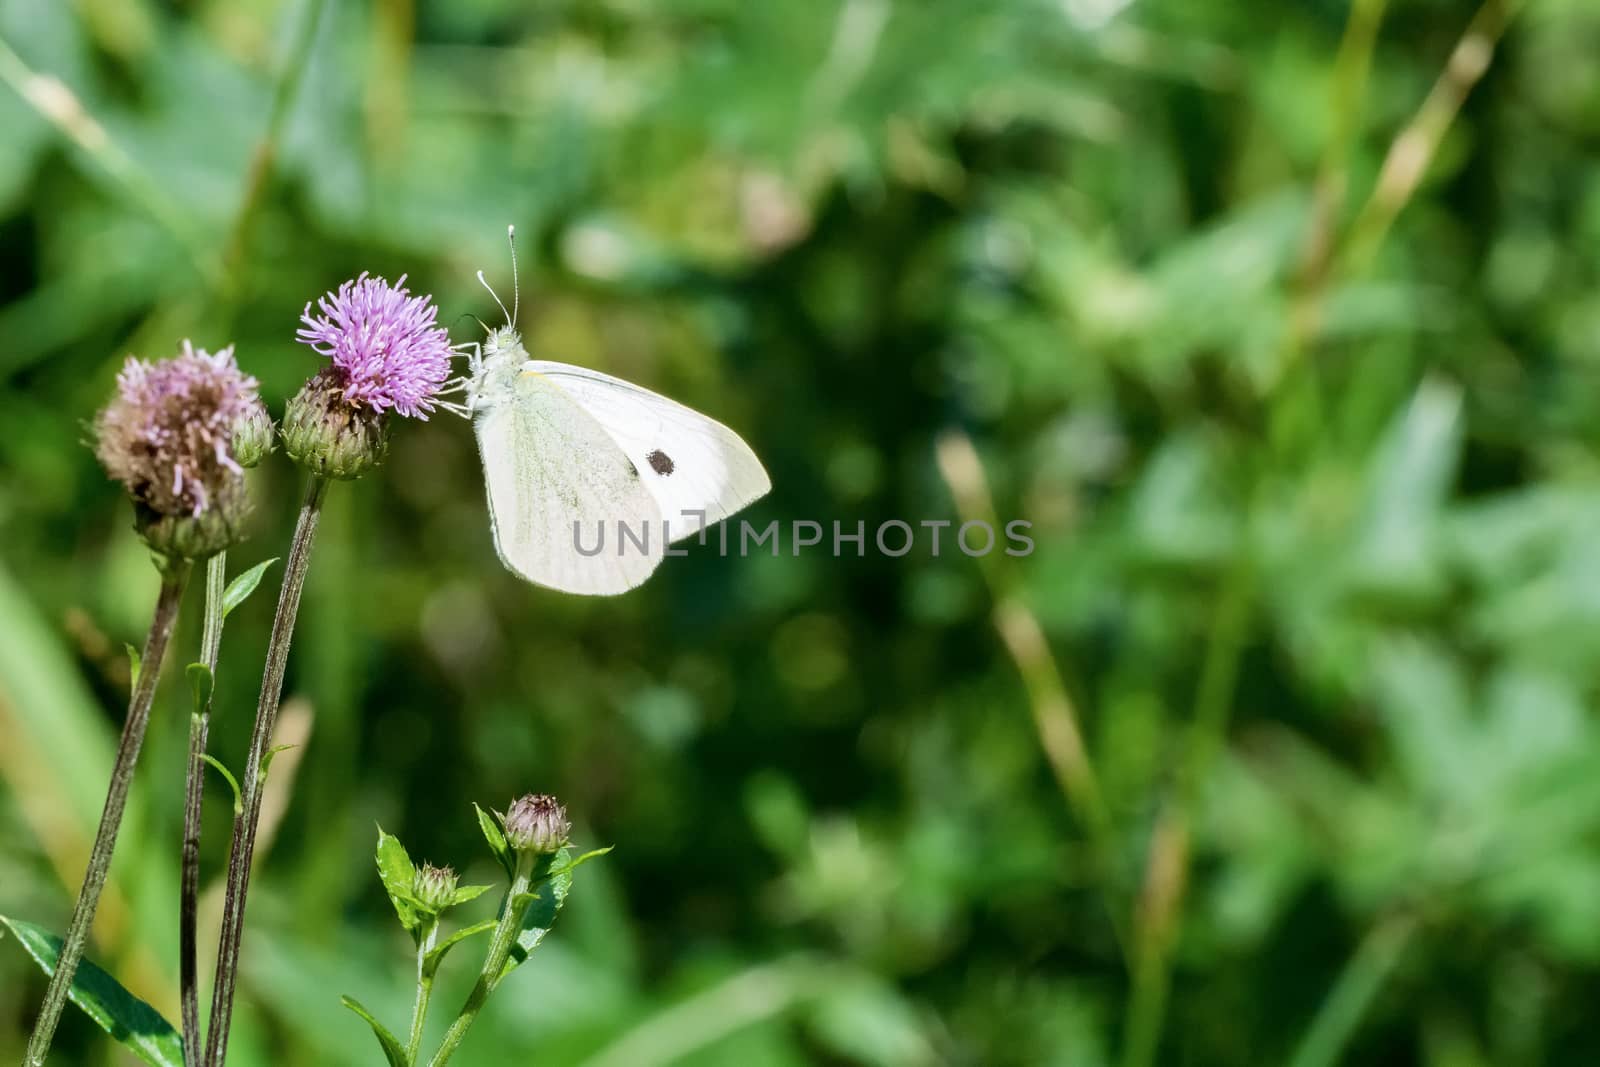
(179, 435)
(386, 355)
(530, 843)
(171, 436)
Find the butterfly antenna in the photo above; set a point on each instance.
(516, 289)
(485, 283)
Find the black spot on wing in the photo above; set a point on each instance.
(660, 462)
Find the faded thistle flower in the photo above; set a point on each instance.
(537, 823)
(434, 888)
(170, 437)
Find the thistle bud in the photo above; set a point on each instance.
(168, 436)
(254, 437)
(537, 823)
(329, 436)
(434, 888)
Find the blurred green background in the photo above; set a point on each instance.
(1278, 320)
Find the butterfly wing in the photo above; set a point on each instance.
(690, 464)
(558, 485)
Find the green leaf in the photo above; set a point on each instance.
(393, 1051)
(233, 783)
(580, 861)
(545, 903)
(266, 760)
(133, 666)
(542, 905)
(398, 875)
(468, 892)
(497, 841)
(242, 586)
(435, 956)
(138, 1026)
(201, 683)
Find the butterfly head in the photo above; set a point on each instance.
(504, 344)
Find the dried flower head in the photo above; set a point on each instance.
(537, 823)
(434, 887)
(387, 352)
(168, 437)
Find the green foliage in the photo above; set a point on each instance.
(201, 684)
(233, 783)
(134, 1024)
(494, 833)
(398, 874)
(242, 585)
(1312, 482)
(542, 905)
(133, 665)
(437, 954)
(393, 1051)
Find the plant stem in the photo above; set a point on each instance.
(242, 851)
(500, 943)
(419, 1009)
(266, 150)
(193, 794)
(1160, 910)
(1411, 153)
(1354, 991)
(1056, 716)
(173, 579)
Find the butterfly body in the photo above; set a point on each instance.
(495, 368)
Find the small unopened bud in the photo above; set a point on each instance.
(327, 435)
(537, 823)
(434, 887)
(253, 436)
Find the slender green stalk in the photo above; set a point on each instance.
(266, 150)
(1352, 994)
(242, 851)
(1167, 869)
(193, 793)
(1411, 153)
(419, 1009)
(1056, 716)
(501, 941)
(173, 579)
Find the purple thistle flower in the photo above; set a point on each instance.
(383, 342)
(168, 433)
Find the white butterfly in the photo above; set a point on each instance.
(589, 477)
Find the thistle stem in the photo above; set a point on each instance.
(173, 579)
(517, 902)
(242, 850)
(419, 1009)
(193, 794)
